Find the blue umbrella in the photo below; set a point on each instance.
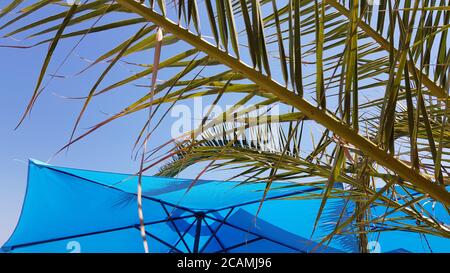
(73, 210)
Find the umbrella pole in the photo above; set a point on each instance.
(198, 230)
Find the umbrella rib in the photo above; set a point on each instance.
(215, 236)
(175, 226)
(186, 232)
(255, 234)
(92, 233)
(240, 244)
(161, 241)
(217, 229)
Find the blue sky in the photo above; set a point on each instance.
(46, 130)
(49, 126)
(51, 121)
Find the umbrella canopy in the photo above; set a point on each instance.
(73, 210)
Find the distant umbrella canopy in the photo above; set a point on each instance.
(72, 210)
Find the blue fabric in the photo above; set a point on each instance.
(72, 210)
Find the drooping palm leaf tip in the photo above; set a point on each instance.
(362, 91)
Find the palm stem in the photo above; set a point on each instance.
(366, 146)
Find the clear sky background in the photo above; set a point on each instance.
(51, 121)
(49, 126)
